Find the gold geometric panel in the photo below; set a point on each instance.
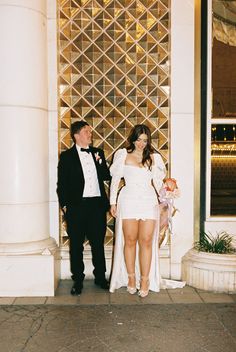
(114, 71)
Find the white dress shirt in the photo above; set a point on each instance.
(91, 187)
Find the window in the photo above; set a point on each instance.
(222, 110)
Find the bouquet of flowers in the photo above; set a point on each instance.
(167, 194)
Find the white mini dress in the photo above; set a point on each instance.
(136, 200)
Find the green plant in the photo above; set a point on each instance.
(221, 243)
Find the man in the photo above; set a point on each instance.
(82, 171)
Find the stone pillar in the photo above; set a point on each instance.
(182, 128)
(27, 253)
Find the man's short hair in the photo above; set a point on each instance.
(76, 127)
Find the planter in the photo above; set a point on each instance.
(210, 271)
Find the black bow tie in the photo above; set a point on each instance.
(87, 150)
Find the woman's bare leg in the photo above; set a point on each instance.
(145, 236)
(130, 230)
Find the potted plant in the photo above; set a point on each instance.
(211, 264)
(222, 243)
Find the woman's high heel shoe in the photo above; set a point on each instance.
(131, 290)
(144, 293)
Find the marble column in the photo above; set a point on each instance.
(182, 129)
(27, 253)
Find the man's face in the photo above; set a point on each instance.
(84, 137)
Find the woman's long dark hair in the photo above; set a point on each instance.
(136, 131)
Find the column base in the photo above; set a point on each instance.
(30, 275)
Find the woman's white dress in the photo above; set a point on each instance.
(136, 200)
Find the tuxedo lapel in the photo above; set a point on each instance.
(77, 162)
(93, 152)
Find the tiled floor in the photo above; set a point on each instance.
(93, 295)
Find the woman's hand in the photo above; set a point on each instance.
(113, 210)
(170, 184)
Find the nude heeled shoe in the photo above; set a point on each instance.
(144, 293)
(131, 290)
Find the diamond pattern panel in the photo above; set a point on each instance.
(114, 72)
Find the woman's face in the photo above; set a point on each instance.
(141, 142)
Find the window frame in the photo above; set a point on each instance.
(212, 121)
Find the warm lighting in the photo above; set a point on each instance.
(223, 147)
(223, 150)
(223, 156)
(114, 72)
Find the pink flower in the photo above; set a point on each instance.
(169, 190)
(173, 194)
(98, 158)
(170, 184)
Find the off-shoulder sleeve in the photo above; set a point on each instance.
(117, 170)
(158, 172)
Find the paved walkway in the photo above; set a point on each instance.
(181, 320)
(93, 295)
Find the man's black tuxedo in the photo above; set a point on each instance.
(71, 181)
(85, 217)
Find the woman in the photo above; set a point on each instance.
(136, 262)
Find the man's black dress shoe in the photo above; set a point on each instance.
(104, 284)
(76, 288)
